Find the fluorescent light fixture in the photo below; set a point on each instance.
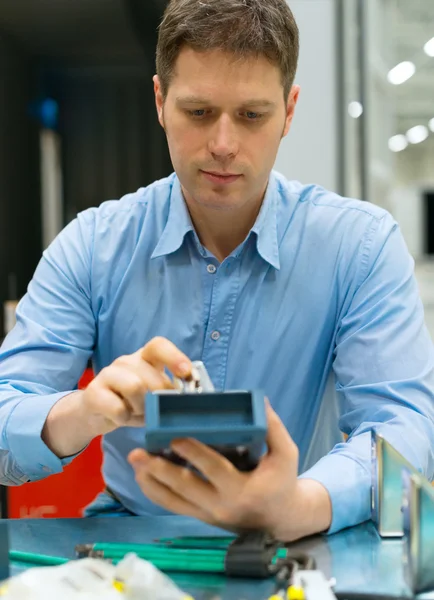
(401, 72)
(417, 134)
(431, 125)
(355, 110)
(397, 143)
(429, 47)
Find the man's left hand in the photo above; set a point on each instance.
(270, 498)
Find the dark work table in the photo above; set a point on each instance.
(357, 558)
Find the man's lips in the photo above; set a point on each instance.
(224, 178)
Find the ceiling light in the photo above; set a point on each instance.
(355, 110)
(431, 125)
(429, 47)
(417, 134)
(401, 72)
(397, 143)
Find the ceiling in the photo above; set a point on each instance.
(91, 31)
(412, 26)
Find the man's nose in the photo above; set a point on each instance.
(223, 143)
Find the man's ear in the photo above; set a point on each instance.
(290, 108)
(159, 100)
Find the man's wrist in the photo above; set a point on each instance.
(309, 512)
(96, 424)
(70, 427)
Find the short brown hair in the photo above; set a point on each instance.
(241, 27)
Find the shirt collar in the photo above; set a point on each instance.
(265, 226)
(179, 224)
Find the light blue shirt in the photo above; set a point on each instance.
(320, 297)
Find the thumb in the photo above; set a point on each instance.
(279, 442)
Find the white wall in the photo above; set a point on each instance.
(310, 151)
(414, 175)
(415, 165)
(380, 113)
(407, 208)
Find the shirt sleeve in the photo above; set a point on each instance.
(44, 356)
(384, 366)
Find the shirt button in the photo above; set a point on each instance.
(215, 335)
(211, 269)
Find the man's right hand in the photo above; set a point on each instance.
(116, 395)
(115, 398)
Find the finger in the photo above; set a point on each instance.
(279, 442)
(113, 408)
(162, 353)
(135, 361)
(182, 481)
(219, 471)
(166, 497)
(131, 383)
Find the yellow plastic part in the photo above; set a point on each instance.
(119, 586)
(295, 593)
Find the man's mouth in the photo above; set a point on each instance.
(223, 178)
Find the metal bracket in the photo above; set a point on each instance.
(315, 585)
(418, 515)
(199, 381)
(387, 486)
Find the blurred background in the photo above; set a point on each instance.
(78, 124)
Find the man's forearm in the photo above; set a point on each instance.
(310, 512)
(68, 429)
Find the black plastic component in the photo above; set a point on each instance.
(241, 458)
(251, 555)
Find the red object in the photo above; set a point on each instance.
(65, 494)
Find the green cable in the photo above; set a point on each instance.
(158, 551)
(36, 559)
(184, 567)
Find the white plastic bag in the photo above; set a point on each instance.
(93, 579)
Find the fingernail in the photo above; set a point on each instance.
(137, 463)
(178, 445)
(184, 368)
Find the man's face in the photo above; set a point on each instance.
(224, 120)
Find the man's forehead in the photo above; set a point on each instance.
(219, 63)
(200, 78)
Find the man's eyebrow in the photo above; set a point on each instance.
(262, 102)
(259, 102)
(191, 100)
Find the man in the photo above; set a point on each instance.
(272, 284)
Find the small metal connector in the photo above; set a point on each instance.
(198, 382)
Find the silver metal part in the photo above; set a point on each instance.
(418, 514)
(387, 487)
(199, 382)
(315, 585)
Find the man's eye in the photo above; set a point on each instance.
(253, 116)
(197, 113)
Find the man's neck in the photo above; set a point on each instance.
(221, 231)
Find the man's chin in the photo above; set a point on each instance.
(217, 201)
